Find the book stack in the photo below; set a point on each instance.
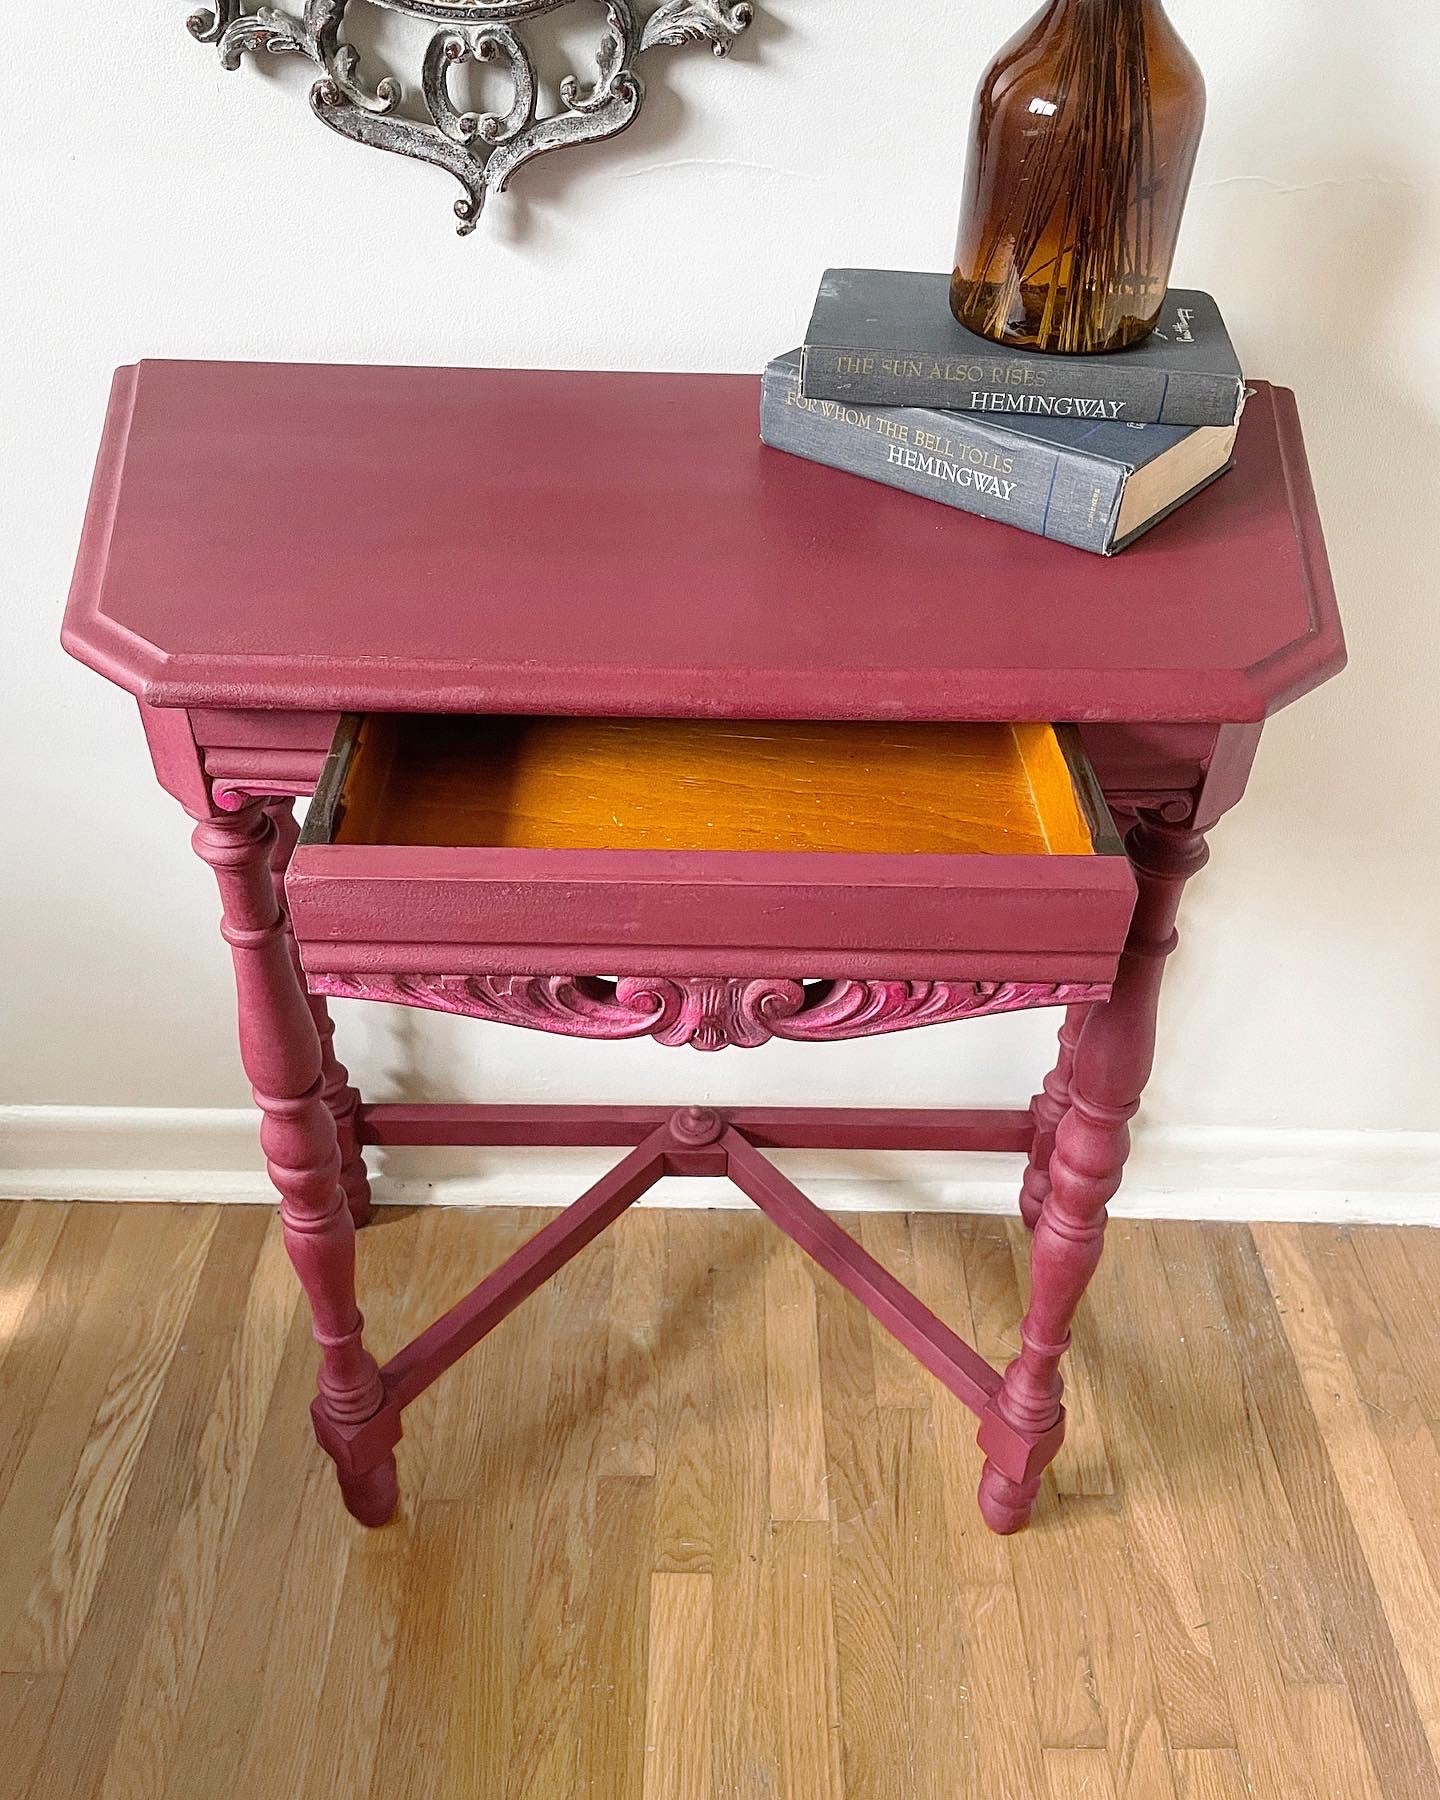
(1087, 450)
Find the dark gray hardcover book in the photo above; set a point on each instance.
(887, 337)
(1091, 483)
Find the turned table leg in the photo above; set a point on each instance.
(342, 1099)
(1047, 1109)
(280, 1048)
(1112, 1061)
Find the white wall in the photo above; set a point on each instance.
(154, 206)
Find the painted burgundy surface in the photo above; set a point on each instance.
(337, 1093)
(268, 547)
(317, 538)
(1047, 1109)
(1078, 1144)
(366, 910)
(767, 1127)
(281, 1051)
(706, 1014)
(692, 1141)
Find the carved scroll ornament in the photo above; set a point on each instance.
(706, 1014)
(482, 150)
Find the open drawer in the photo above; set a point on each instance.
(440, 845)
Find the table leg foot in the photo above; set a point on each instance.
(372, 1497)
(1006, 1505)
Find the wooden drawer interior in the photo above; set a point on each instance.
(694, 785)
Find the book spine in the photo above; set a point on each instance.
(1020, 387)
(967, 464)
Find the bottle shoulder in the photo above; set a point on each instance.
(1034, 74)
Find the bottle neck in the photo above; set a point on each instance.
(1064, 10)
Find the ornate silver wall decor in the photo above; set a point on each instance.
(481, 150)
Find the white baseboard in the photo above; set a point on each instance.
(210, 1154)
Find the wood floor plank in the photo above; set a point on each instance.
(350, 1705)
(1297, 1617)
(281, 1735)
(632, 1381)
(869, 1630)
(1129, 1303)
(31, 1234)
(983, 1270)
(1079, 1775)
(188, 1579)
(1125, 1675)
(966, 1273)
(620, 1605)
(410, 1760)
(1408, 1595)
(537, 1621)
(1358, 1627)
(948, 1266)
(403, 1262)
(1386, 1385)
(744, 1742)
(1253, 1582)
(548, 1697)
(685, 1446)
(1212, 1775)
(478, 1406)
(89, 1717)
(27, 1707)
(941, 1752)
(167, 1262)
(899, 1379)
(1403, 1269)
(1327, 1722)
(678, 1762)
(1057, 1636)
(803, 1676)
(797, 1424)
(231, 1666)
(64, 1420)
(55, 1280)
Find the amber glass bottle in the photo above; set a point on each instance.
(1085, 132)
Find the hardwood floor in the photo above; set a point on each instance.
(689, 1528)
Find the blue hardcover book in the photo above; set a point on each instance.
(887, 337)
(1096, 484)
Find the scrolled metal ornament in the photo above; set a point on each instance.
(698, 21)
(207, 26)
(481, 150)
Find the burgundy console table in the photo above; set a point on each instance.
(619, 724)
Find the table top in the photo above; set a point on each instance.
(404, 539)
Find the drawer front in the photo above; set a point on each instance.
(444, 909)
